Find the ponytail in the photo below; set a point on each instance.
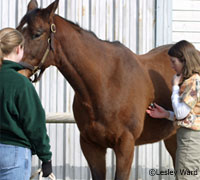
(9, 39)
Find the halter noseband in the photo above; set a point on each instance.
(35, 69)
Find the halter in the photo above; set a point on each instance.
(34, 69)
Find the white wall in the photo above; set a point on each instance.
(186, 21)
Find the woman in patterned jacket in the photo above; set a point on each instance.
(185, 99)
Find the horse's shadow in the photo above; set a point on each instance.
(162, 91)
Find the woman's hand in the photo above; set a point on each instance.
(176, 79)
(157, 111)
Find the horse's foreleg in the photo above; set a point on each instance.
(95, 156)
(124, 150)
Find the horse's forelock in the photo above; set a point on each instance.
(29, 18)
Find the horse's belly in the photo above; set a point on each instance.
(155, 130)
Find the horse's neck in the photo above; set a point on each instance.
(74, 60)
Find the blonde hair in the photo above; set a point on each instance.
(188, 55)
(9, 39)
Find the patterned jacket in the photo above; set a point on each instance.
(190, 94)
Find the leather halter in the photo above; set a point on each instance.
(35, 69)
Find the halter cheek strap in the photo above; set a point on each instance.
(36, 68)
(49, 47)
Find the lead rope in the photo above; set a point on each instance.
(39, 171)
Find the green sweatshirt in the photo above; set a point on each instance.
(22, 117)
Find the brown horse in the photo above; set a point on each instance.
(113, 87)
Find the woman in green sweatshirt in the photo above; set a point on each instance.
(22, 118)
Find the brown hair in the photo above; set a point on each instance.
(188, 55)
(9, 39)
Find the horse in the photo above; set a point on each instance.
(113, 87)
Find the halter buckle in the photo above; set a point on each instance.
(53, 28)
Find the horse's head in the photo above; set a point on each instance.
(38, 29)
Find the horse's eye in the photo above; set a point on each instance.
(36, 35)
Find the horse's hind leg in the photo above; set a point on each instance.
(124, 156)
(95, 156)
(171, 145)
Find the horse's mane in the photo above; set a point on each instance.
(82, 30)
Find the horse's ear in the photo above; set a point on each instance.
(52, 8)
(32, 5)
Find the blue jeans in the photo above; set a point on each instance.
(15, 162)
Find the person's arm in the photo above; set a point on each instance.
(33, 122)
(171, 116)
(32, 117)
(158, 112)
(181, 109)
